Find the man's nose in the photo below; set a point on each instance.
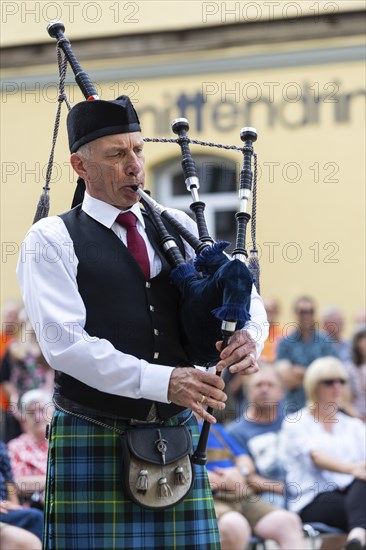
(132, 168)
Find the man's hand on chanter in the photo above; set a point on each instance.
(240, 355)
(195, 389)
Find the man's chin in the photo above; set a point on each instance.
(127, 197)
(265, 403)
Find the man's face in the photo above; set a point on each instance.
(333, 324)
(265, 388)
(115, 163)
(305, 313)
(35, 418)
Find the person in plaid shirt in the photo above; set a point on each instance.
(28, 452)
(20, 528)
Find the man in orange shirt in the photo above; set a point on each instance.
(9, 330)
(275, 331)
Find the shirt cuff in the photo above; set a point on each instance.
(155, 382)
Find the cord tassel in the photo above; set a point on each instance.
(43, 206)
(163, 488)
(254, 268)
(179, 477)
(142, 484)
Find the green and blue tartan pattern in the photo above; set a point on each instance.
(86, 508)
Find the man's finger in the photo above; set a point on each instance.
(201, 411)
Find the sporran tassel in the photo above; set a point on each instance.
(179, 477)
(163, 488)
(142, 484)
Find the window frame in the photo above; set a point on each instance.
(163, 174)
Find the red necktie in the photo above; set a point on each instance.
(135, 243)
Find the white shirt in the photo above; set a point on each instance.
(303, 434)
(47, 271)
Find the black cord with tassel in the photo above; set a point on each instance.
(43, 206)
(253, 262)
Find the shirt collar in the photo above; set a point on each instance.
(105, 213)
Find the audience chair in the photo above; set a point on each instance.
(316, 529)
(256, 543)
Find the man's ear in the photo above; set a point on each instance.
(77, 162)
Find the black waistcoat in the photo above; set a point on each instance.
(138, 317)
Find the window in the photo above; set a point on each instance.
(218, 189)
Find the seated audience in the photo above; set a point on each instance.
(16, 538)
(258, 432)
(359, 318)
(357, 373)
(24, 365)
(325, 452)
(332, 320)
(29, 521)
(9, 324)
(235, 386)
(28, 452)
(274, 330)
(298, 349)
(9, 329)
(238, 508)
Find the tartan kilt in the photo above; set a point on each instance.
(85, 505)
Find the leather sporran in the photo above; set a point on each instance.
(157, 468)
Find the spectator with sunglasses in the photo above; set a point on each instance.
(298, 349)
(325, 452)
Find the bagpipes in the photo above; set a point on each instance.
(216, 290)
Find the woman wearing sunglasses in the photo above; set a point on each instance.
(325, 453)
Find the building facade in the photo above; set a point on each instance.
(297, 77)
